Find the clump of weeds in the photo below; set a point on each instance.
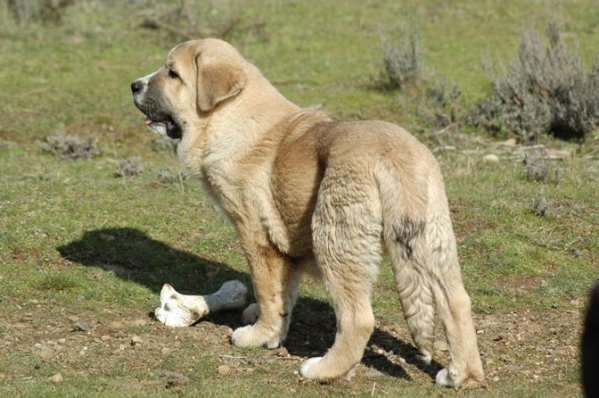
(71, 146)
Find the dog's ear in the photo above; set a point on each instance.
(219, 78)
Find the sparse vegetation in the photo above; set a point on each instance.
(71, 146)
(164, 144)
(441, 108)
(546, 90)
(129, 167)
(193, 19)
(26, 12)
(403, 58)
(540, 206)
(541, 170)
(169, 176)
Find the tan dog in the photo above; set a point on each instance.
(309, 194)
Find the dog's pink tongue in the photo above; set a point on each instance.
(148, 121)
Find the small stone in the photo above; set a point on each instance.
(282, 352)
(57, 378)
(83, 326)
(46, 352)
(224, 370)
(375, 373)
(135, 340)
(491, 158)
(139, 322)
(510, 142)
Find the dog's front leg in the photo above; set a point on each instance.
(275, 282)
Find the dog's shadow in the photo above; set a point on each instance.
(134, 256)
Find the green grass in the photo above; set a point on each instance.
(76, 241)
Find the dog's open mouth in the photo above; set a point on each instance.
(166, 127)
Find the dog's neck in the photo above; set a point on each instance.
(221, 138)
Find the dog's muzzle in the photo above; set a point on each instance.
(157, 120)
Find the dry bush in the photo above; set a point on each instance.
(441, 107)
(546, 90)
(163, 144)
(540, 207)
(169, 176)
(129, 167)
(26, 12)
(192, 19)
(71, 146)
(403, 59)
(541, 170)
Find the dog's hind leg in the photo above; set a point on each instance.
(453, 305)
(408, 258)
(346, 230)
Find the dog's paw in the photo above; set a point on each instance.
(448, 378)
(254, 336)
(425, 359)
(251, 314)
(309, 368)
(315, 369)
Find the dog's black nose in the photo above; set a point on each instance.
(136, 87)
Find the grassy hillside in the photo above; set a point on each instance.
(78, 244)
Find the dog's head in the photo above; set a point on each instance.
(196, 78)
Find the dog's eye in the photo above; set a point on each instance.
(172, 74)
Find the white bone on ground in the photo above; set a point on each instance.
(179, 310)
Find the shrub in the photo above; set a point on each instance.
(540, 207)
(164, 144)
(197, 19)
(546, 90)
(25, 12)
(71, 146)
(169, 176)
(539, 170)
(403, 60)
(441, 106)
(129, 167)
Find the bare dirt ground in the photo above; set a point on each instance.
(518, 347)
